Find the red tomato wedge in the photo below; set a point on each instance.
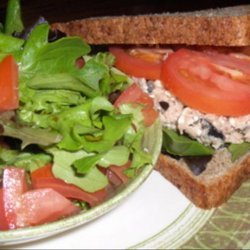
(3, 222)
(119, 172)
(208, 81)
(134, 95)
(70, 191)
(8, 84)
(14, 185)
(44, 178)
(43, 206)
(144, 63)
(43, 172)
(26, 208)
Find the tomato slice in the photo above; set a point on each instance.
(143, 63)
(43, 206)
(3, 222)
(43, 178)
(14, 185)
(134, 95)
(70, 191)
(43, 172)
(26, 208)
(209, 82)
(119, 172)
(8, 84)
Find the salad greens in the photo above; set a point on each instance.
(64, 109)
(238, 150)
(181, 145)
(13, 22)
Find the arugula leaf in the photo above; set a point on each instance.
(62, 168)
(238, 150)
(13, 20)
(181, 145)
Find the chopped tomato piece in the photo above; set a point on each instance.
(26, 208)
(43, 172)
(118, 171)
(14, 185)
(134, 95)
(8, 84)
(42, 206)
(209, 82)
(3, 222)
(139, 63)
(70, 191)
(43, 178)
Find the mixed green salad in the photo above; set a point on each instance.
(65, 144)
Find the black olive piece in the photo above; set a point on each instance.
(214, 132)
(164, 105)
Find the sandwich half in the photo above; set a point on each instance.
(206, 144)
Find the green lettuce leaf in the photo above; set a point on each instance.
(181, 145)
(118, 155)
(9, 44)
(31, 161)
(29, 135)
(37, 39)
(13, 20)
(26, 160)
(63, 168)
(115, 128)
(61, 81)
(238, 150)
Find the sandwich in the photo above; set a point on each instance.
(196, 66)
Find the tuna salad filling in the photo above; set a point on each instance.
(210, 130)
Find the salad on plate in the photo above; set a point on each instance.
(71, 125)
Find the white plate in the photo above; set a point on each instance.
(157, 215)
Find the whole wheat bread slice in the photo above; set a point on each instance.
(214, 185)
(220, 27)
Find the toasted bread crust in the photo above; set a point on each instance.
(223, 27)
(204, 192)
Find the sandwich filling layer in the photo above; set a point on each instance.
(208, 129)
